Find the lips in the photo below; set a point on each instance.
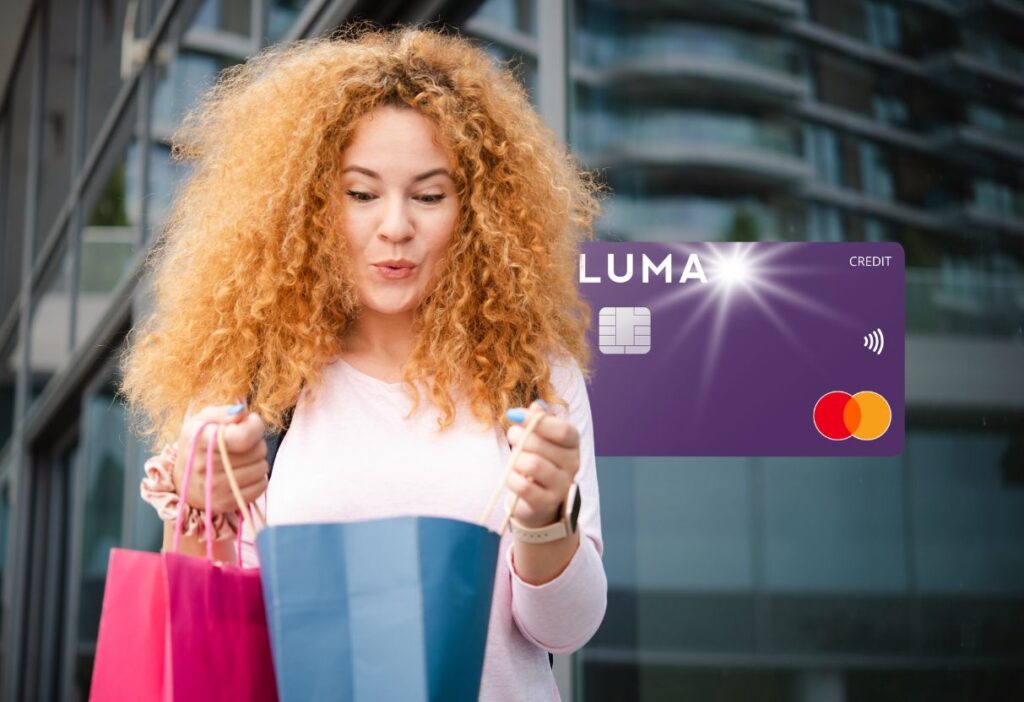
(394, 271)
(396, 263)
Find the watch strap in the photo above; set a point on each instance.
(564, 527)
(539, 535)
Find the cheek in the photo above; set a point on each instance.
(445, 230)
(355, 232)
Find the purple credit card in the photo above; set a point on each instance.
(746, 349)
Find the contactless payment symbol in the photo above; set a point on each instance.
(839, 415)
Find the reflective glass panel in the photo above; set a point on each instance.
(59, 115)
(109, 237)
(281, 15)
(49, 347)
(104, 479)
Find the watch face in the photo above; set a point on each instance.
(574, 515)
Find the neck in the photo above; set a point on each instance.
(387, 337)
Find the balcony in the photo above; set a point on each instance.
(958, 301)
(764, 11)
(970, 144)
(690, 219)
(687, 58)
(986, 132)
(995, 207)
(999, 10)
(984, 63)
(711, 148)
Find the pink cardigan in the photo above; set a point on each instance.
(350, 455)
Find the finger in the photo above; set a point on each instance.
(555, 429)
(567, 458)
(249, 479)
(541, 471)
(254, 455)
(251, 473)
(222, 413)
(242, 437)
(251, 492)
(528, 491)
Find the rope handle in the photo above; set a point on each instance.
(530, 426)
(244, 508)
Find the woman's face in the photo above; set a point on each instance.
(399, 208)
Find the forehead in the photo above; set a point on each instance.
(393, 136)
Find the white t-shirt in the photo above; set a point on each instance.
(350, 455)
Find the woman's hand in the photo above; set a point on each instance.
(545, 468)
(247, 451)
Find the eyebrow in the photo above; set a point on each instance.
(421, 176)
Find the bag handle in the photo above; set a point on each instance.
(530, 426)
(186, 480)
(243, 508)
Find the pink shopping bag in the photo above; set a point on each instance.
(177, 627)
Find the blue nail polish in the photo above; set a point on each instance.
(542, 404)
(516, 415)
(236, 409)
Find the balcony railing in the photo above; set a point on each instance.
(965, 302)
(596, 130)
(689, 219)
(689, 56)
(994, 52)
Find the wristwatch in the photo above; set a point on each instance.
(566, 526)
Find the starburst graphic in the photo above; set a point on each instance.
(736, 275)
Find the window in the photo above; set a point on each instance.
(281, 15)
(890, 109)
(103, 463)
(825, 224)
(105, 69)
(50, 340)
(110, 236)
(233, 16)
(59, 116)
(822, 151)
(15, 133)
(876, 171)
(998, 198)
(9, 363)
(883, 25)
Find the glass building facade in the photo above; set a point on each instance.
(804, 580)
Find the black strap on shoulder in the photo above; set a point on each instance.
(274, 440)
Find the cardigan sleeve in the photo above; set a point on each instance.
(561, 615)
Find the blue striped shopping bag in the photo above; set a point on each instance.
(380, 609)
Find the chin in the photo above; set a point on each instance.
(390, 307)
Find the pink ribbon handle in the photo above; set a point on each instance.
(187, 478)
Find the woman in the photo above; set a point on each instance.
(372, 220)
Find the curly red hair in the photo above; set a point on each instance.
(250, 296)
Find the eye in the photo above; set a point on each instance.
(359, 196)
(431, 199)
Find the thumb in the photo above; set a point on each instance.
(221, 414)
(236, 412)
(539, 405)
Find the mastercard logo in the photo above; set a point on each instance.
(839, 415)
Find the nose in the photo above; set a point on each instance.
(396, 223)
